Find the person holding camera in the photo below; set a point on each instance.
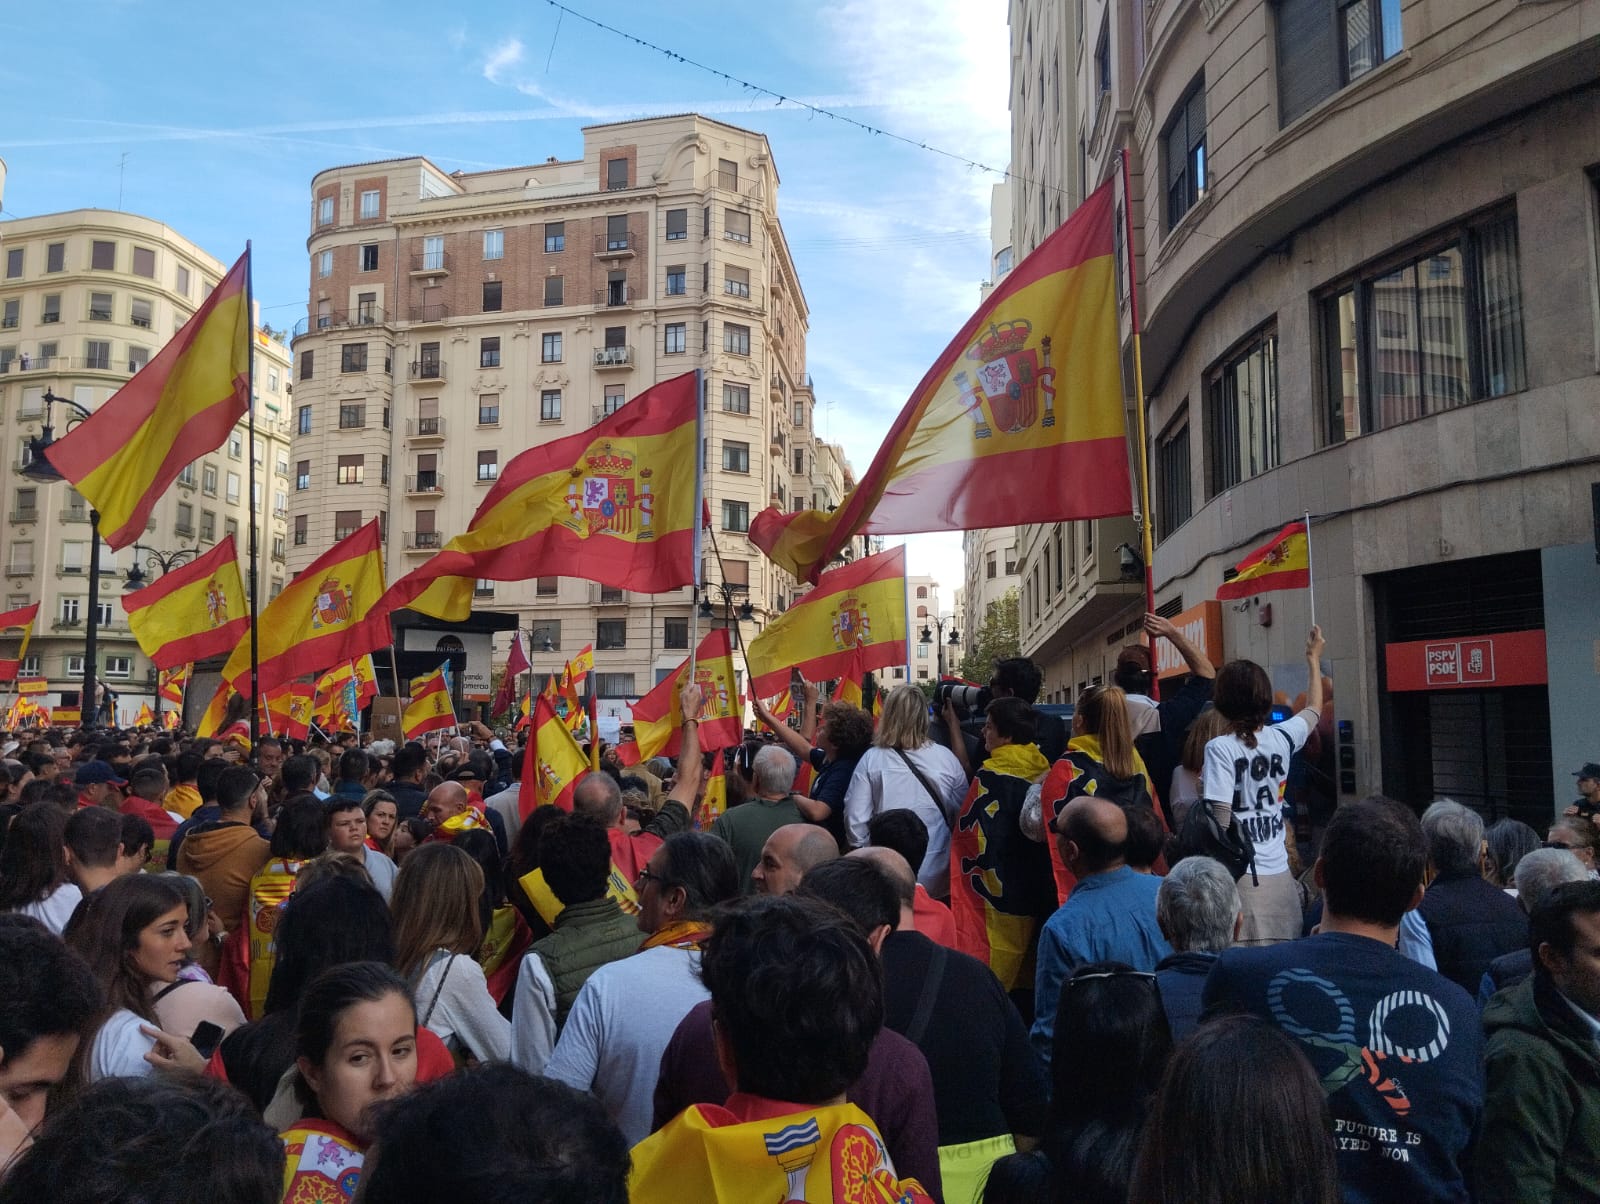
(1159, 728)
(1013, 677)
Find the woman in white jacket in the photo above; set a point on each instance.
(905, 769)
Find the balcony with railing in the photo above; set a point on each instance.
(430, 263)
(613, 296)
(430, 315)
(25, 514)
(428, 370)
(73, 514)
(602, 409)
(780, 443)
(362, 315)
(613, 357)
(423, 541)
(615, 245)
(420, 429)
(425, 482)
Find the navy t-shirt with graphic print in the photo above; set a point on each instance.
(1397, 1046)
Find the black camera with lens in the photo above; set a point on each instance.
(972, 699)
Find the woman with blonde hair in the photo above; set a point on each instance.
(904, 769)
(437, 930)
(1101, 761)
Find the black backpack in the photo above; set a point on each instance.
(1200, 835)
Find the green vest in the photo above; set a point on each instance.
(587, 936)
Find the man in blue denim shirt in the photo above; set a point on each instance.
(1109, 917)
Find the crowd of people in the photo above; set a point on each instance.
(940, 954)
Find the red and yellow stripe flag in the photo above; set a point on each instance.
(33, 685)
(173, 682)
(552, 764)
(325, 615)
(1283, 562)
(578, 668)
(615, 504)
(20, 619)
(1021, 420)
(430, 708)
(856, 616)
(658, 716)
(286, 711)
(180, 406)
(146, 717)
(193, 612)
(850, 682)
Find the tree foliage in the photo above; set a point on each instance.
(998, 637)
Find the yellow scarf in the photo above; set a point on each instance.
(684, 934)
(1018, 761)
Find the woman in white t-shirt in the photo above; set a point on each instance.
(904, 769)
(1243, 779)
(133, 934)
(33, 867)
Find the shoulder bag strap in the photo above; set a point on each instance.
(932, 793)
(428, 1015)
(929, 997)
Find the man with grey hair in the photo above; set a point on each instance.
(1537, 874)
(1470, 920)
(771, 806)
(1199, 912)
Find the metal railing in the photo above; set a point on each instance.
(614, 244)
(431, 261)
(613, 357)
(425, 482)
(425, 428)
(28, 515)
(423, 540)
(426, 370)
(429, 313)
(613, 295)
(72, 515)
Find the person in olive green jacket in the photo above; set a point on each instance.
(1540, 1134)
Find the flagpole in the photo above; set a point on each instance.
(1311, 572)
(255, 585)
(394, 670)
(1146, 534)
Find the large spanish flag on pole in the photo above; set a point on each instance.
(13, 620)
(658, 716)
(553, 762)
(1283, 562)
(430, 708)
(325, 615)
(853, 621)
(617, 504)
(1021, 420)
(178, 407)
(193, 612)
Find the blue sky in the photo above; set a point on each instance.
(223, 122)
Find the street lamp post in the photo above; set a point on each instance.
(40, 469)
(160, 563)
(939, 623)
(538, 640)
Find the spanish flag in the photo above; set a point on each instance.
(193, 612)
(173, 682)
(715, 799)
(552, 764)
(523, 717)
(1021, 420)
(20, 619)
(180, 406)
(850, 683)
(146, 717)
(578, 668)
(658, 719)
(1283, 562)
(286, 711)
(430, 709)
(853, 621)
(614, 504)
(325, 615)
(33, 685)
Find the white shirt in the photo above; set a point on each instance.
(619, 1027)
(119, 1048)
(1252, 781)
(381, 869)
(533, 1019)
(882, 782)
(462, 1008)
(507, 803)
(56, 908)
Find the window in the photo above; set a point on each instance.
(550, 405)
(736, 225)
(208, 480)
(55, 257)
(232, 487)
(99, 307)
(300, 523)
(550, 348)
(369, 257)
(736, 399)
(140, 312)
(555, 237)
(735, 338)
(50, 308)
(97, 354)
(14, 263)
(70, 609)
(1174, 498)
(369, 205)
(615, 398)
(325, 211)
(676, 281)
(208, 525)
(617, 232)
(616, 174)
(676, 338)
(30, 663)
(1184, 147)
(675, 634)
(116, 666)
(185, 477)
(735, 516)
(352, 469)
(991, 567)
(705, 277)
(614, 685)
(12, 316)
(489, 353)
(488, 465)
(553, 290)
(705, 335)
(922, 591)
(494, 244)
(1241, 428)
(347, 522)
(302, 475)
(277, 547)
(545, 587)
(1102, 65)
(138, 357)
(1441, 328)
(736, 281)
(610, 633)
(735, 456)
(799, 461)
(307, 362)
(353, 416)
(1319, 52)
(353, 357)
(491, 296)
(677, 224)
(103, 256)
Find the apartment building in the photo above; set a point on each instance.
(86, 298)
(926, 614)
(456, 319)
(1365, 239)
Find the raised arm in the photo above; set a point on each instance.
(690, 770)
(808, 715)
(1314, 646)
(795, 742)
(1199, 663)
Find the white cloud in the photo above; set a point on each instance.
(501, 59)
